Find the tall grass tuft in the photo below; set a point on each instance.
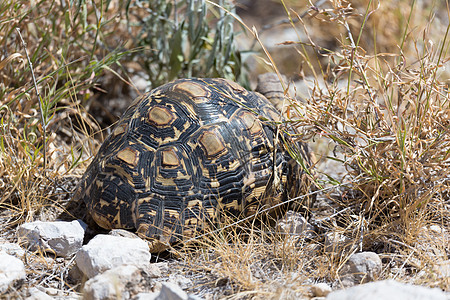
(389, 118)
(387, 114)
(67, 46)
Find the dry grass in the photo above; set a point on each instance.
(379, 96)
(44, 79)
(388, 114)
(390, 120)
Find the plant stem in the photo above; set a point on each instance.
(44, 125)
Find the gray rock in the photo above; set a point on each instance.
(61, 238)
(123, 282)
(75, 274)
(171, 291)
(361, 268)
(388, 289)
(294, 224)
(12, 271)
(105, 252)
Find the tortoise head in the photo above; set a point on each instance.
(270, 86)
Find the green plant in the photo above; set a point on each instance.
(184, 39)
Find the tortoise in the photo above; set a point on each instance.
(186, 155)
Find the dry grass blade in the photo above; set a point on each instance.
(41, 110)
(9, 59)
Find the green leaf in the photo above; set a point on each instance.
(176, 56)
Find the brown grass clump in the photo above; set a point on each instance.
(52, 55)
(390, 120)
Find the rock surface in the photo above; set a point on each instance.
(146, 296)
(61, 238)
(295, 225)
(388, 289)
(41, 293)
(131, 282)
(37, 294)
(11, 249)
(320, 289)
(12, 271)
(171, 291)
(123, 282)
(105, 252)
(444, 269)
(361, 268)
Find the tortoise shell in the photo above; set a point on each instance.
(184, 156)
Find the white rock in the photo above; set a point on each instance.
(37, 294)
(121, 282)
(320, 289)
(11, 249)
(153, 271)
(171, 291)
(361, 268)
(53, 291)
(444, 269)
(387, 289)
(436, 229)
(194, 297)
(41, 293)
(180, 280)
(62, 238)
(146, 296)
(163, 266)
(105, 252)
(12, 271)
(123, 233)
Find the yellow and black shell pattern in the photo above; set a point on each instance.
(185, 155)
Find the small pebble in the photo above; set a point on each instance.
(320, 289)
